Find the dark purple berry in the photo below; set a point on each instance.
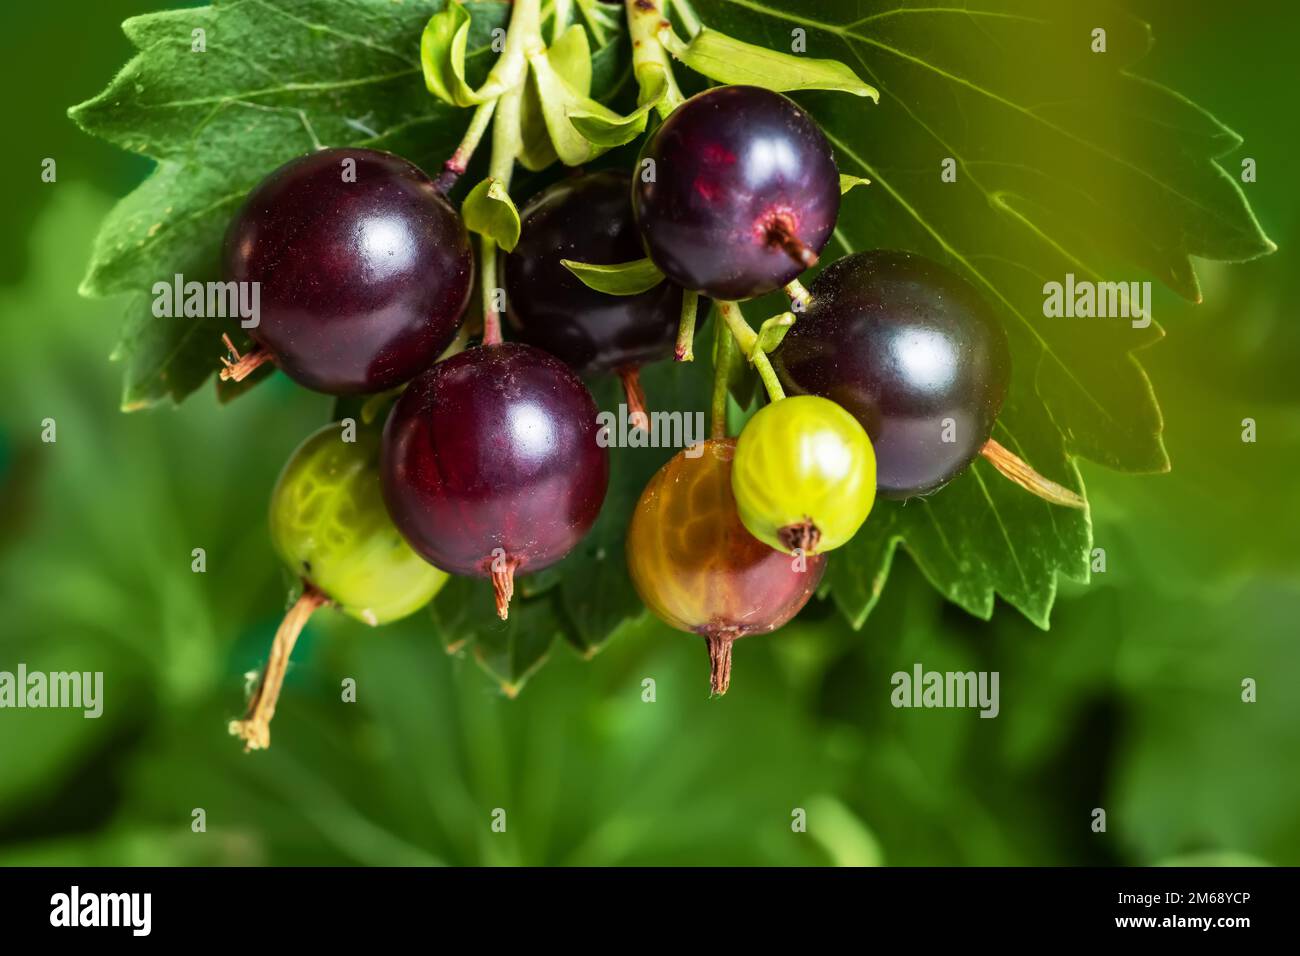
(491, 463)
(587, 219)
(914, 352)
(742, 194)
(364, 272)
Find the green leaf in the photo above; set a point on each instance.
(1065, 161)
(442, 55)
(603, 130)
(489, 211)
(847, 182)
(570, 57)
(619, 278)
(561, 78)
(772, 331)
(535, 150)
(605, 70)
(728, 60)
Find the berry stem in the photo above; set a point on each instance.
(1018, 470)
(768, 374)
(724, 350)
(508, 75)
(455, 166)
(685, 351)
(799, 295)
(255, 728)
(523, 36)
(635, 396)
(375, 404)
(507, 139)
(651, 64)
(458, 344)
(747, 339)
(507, 136)
(719, 662)
(689, 20)
(239, 367)
(488, 275)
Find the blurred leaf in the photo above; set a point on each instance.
(99, 575)
(1220, 788)
(845, 838)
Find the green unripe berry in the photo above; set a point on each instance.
(329, 525)
(804, 475)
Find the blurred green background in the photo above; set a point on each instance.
(1130, 703)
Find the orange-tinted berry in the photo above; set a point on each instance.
(698, 569)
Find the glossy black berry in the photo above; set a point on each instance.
(364, 269)
(914, 352)
(741, 195)
(586, 218)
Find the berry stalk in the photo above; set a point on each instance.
(689, 20)
(454, 167)
(685, 350)
(651, 64)
(488, 278)
(523, 37)
(507, 140)
(255, 728)
(799, 295)
(747, 339)
(724, 349)
(509, 73)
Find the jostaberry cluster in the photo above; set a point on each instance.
(490, 463)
